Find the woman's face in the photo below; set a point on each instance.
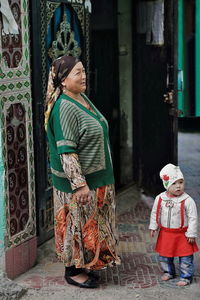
(75, 82)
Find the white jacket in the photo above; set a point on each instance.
(170, 213)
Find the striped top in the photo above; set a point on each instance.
(72, 128)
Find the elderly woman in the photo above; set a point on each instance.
(82, 175)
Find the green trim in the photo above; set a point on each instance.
(183, 96)
(197, 57)
(66, 143)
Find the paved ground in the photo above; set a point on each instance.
(138, 277)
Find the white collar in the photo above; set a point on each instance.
(164, 197)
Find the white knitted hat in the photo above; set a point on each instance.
(169, 174)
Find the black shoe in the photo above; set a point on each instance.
(93, 274)
(89, 283)
(73, 271)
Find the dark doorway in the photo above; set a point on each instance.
(155, 73)
(104, 90)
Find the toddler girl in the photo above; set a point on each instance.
(174, 213)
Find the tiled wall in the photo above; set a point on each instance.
(18, 196)
(2, 213)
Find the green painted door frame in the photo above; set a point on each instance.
(183, 95)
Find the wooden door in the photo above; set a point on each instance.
(104, 75)
(155, 95)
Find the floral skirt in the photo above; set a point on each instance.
(85, 234)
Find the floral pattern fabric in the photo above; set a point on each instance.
(85, 234)
(72, 168)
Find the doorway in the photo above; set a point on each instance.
(104, 75)
(155, 85)
(57, 28)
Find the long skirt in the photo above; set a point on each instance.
(85, 234)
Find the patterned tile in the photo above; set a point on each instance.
(15, 88)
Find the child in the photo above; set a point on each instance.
(174, 213)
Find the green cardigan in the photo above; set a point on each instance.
(72, 128)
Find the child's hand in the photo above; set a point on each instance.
(191, 240)
(152, 232)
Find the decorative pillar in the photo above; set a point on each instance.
(17, 199)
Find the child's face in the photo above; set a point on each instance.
(177, 188)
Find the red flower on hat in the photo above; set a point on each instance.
(165, 177)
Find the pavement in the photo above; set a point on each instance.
(138, 277)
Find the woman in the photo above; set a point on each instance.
(82, 175)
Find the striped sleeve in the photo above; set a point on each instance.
(68, 140)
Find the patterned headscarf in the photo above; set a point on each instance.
(60, 69)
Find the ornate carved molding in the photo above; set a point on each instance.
(65, 42)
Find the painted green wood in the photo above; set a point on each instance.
(197, 71)
(183, 96)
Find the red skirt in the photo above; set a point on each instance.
(173, 242)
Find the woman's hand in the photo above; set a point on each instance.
(83, 195)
